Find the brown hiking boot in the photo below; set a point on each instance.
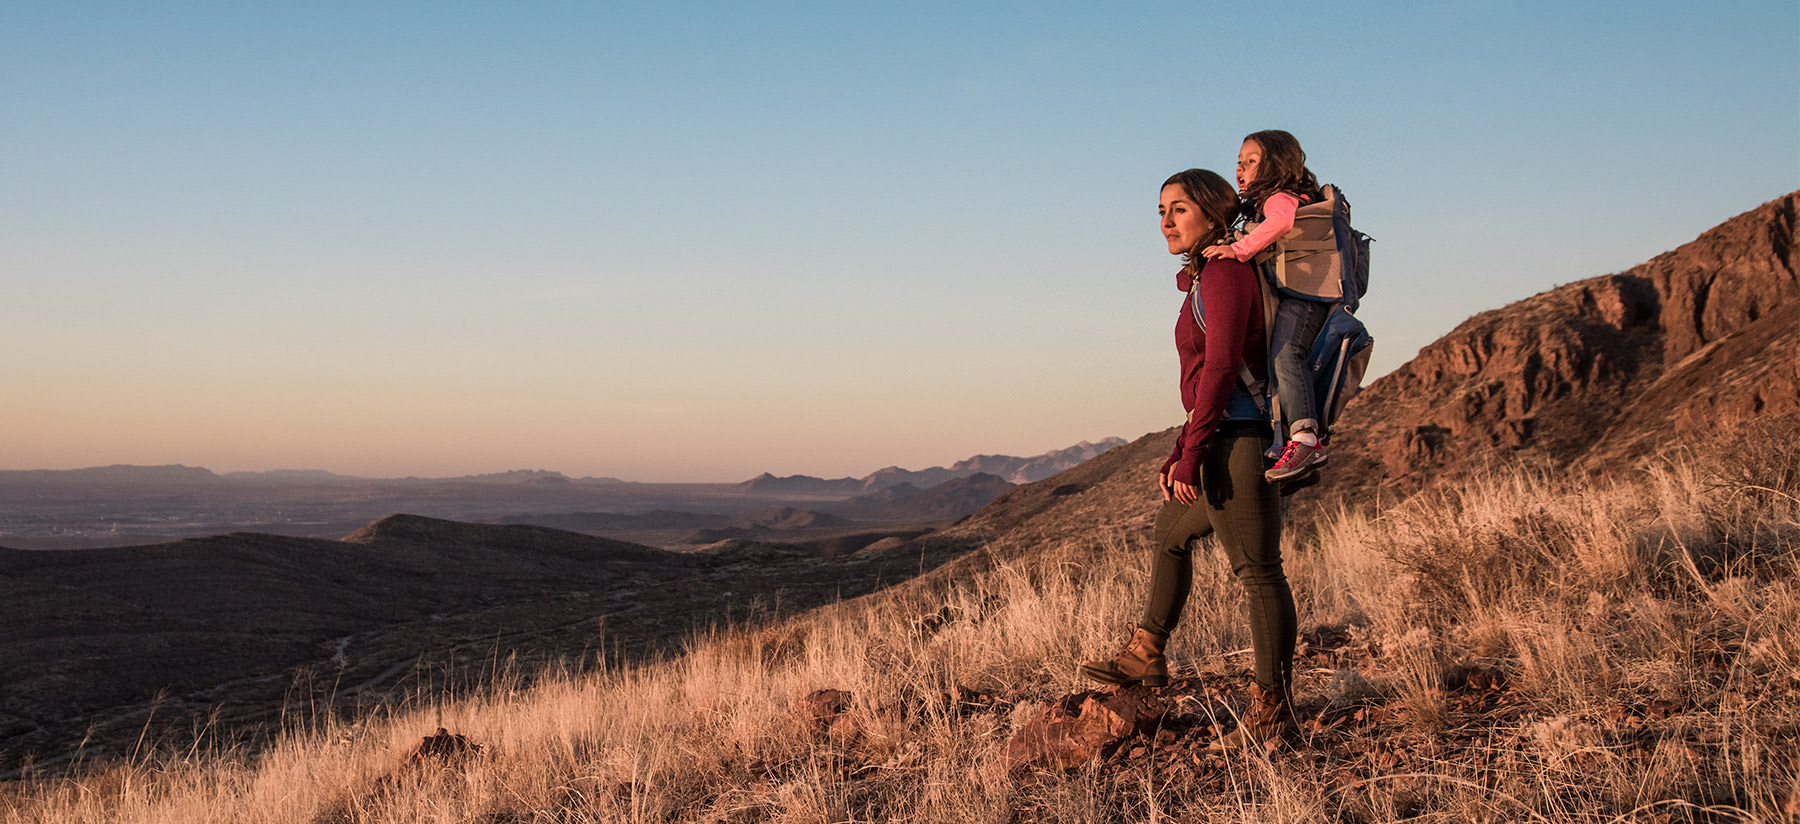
(1140, 662)
(1266, 724)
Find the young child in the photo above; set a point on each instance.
(1273, 179)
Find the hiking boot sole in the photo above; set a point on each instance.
(1109, 677)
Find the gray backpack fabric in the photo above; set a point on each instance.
(1322, 258)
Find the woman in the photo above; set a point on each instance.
(1213, 482)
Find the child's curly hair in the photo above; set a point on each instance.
(1283, 169)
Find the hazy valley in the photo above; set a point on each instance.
(136, 505)
(285, 598)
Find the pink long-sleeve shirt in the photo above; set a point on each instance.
(1278, 217)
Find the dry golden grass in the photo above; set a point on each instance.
(1648, 632)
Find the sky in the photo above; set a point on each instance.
(697, 242)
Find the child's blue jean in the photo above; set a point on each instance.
(1297, 325)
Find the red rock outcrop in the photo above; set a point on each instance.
(1590, 374)
(1071, 732)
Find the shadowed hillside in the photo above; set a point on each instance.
(232, 626)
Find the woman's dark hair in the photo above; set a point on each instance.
(1214, 197)
(1283, 169)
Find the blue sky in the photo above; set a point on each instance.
(701, 241)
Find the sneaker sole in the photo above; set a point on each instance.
(1302, 469)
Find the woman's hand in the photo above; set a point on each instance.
(1162, 480)
(1185, 493)
(1217, 252)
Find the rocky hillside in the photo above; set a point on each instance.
(1598, 373)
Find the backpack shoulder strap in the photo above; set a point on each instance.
(1259, 389)
(1268, 402)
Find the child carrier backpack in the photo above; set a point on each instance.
(1335, 364)
(1322, 257)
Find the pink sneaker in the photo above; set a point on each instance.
(1297, 459)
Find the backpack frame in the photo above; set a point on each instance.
(1336, 363)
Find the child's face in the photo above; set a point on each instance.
(1183, 225)
(1249, 159)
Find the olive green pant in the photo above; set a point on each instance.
(1244, 510)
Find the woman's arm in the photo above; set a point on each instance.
(1231, 295)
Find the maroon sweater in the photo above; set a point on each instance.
(1234, 327)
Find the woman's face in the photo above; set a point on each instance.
(1183, 224)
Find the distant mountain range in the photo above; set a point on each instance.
(1011, 469)
(131, 505)
(948, 501)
